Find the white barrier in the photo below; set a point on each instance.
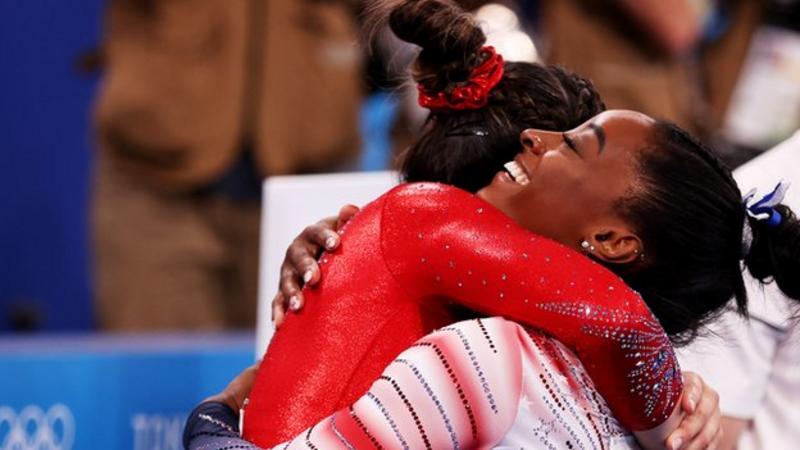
(290, 203)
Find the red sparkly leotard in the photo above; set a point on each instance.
(402, 259)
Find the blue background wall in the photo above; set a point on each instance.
(45, 148)
(110, 392)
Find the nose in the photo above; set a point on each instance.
(535, 141)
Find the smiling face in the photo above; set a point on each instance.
(566, 185)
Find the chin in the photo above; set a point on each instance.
(493, 196)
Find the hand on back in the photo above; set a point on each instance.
(300, 268)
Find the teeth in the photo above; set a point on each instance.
(516, 173)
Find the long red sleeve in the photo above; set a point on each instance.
(438, 244)
(387, 285)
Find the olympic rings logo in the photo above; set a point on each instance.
(34, 429)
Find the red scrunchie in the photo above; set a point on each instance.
(474, 94)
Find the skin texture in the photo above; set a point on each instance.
(700, 428)
(237, 390)
(300, 265)
(576, 179)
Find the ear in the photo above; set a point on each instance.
(615, 244)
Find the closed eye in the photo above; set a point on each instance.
(570, 143)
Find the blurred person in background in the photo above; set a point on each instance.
(755, 363)
(200, 100)
(764, 109)
(676, 59)
(725, 69)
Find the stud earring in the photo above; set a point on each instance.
(586, 246)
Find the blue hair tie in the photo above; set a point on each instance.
(775, 219)
(762, 210)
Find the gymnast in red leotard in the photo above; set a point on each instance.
(407, 256)
(421, 246)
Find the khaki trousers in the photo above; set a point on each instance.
(171, 261)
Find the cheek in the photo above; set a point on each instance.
(561, 184)
(554, 209)
(560, 202)
(610, 182)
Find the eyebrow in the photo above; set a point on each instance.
(601, 136)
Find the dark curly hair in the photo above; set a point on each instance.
(689, 214)
(480, 141)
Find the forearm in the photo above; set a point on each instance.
(655, 438)
(461, 248)
(213, 425)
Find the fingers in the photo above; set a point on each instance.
(693, 387)
(304, 250)
(278, 310)
(290, 287)
(301, 262)
(345, 214)
(716, 441)
(321, 235)
(699, 429)
(706, 437)
(300, 266)
(690, 426)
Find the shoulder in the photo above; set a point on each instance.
(484, 357)
(421, 191)
(492, 339)
(497, 327)
(431, 199)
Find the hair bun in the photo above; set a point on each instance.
(449, 37)
(775, 252)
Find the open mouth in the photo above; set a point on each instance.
(517, 174)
